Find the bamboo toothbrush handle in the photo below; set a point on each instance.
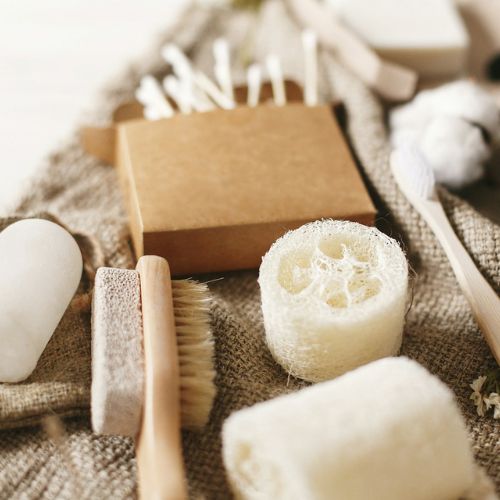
(158, 448)
(484, 301)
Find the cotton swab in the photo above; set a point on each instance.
(222, 67)
(177, 59)
(276, 76)
(151, 113)
(183, 69)
(187, 98)
(254, 78)
(309, 43)
(173, 89)
(200, 100)
(151, 96)
(210, 88)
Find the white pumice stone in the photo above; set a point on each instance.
(334, 296)
(40, 269)
(386, 431)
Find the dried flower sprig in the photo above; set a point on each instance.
(486, 393)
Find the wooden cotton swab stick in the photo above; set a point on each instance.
(254, 78)
(276, 76)
(222, 67)
(210, 88)
(309, 42)
(150, 95)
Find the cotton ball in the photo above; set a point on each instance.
(469, 101)
(448, 124)
(403, 136)
(455, 149)
(413, 116)
(463, 99)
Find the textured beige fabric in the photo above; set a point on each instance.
(83, 194)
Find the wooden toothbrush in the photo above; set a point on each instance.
(415, 178)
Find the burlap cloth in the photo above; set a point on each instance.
(83, 194)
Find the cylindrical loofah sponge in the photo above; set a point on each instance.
(385, 431)
(333, 297)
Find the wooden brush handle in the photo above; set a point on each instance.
(158, 447)
(484, 301)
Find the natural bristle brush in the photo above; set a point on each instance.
(415, 178)
(152, 367)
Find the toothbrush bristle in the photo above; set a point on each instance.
(412, 172)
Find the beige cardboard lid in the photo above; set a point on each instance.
(246, 166)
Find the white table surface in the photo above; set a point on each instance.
(55, 55)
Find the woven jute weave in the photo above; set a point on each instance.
(83, 194)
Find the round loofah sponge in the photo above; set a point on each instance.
(333, 298)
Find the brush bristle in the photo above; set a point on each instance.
(196, 351)
(412, 172)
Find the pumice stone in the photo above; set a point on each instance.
(334, 296)
(40, 269)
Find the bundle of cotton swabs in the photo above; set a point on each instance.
(193, 91)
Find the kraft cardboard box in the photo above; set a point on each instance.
(212, 191)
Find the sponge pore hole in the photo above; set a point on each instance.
(341, 246)
(294, 273)
(362, 288)
(338, 300)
